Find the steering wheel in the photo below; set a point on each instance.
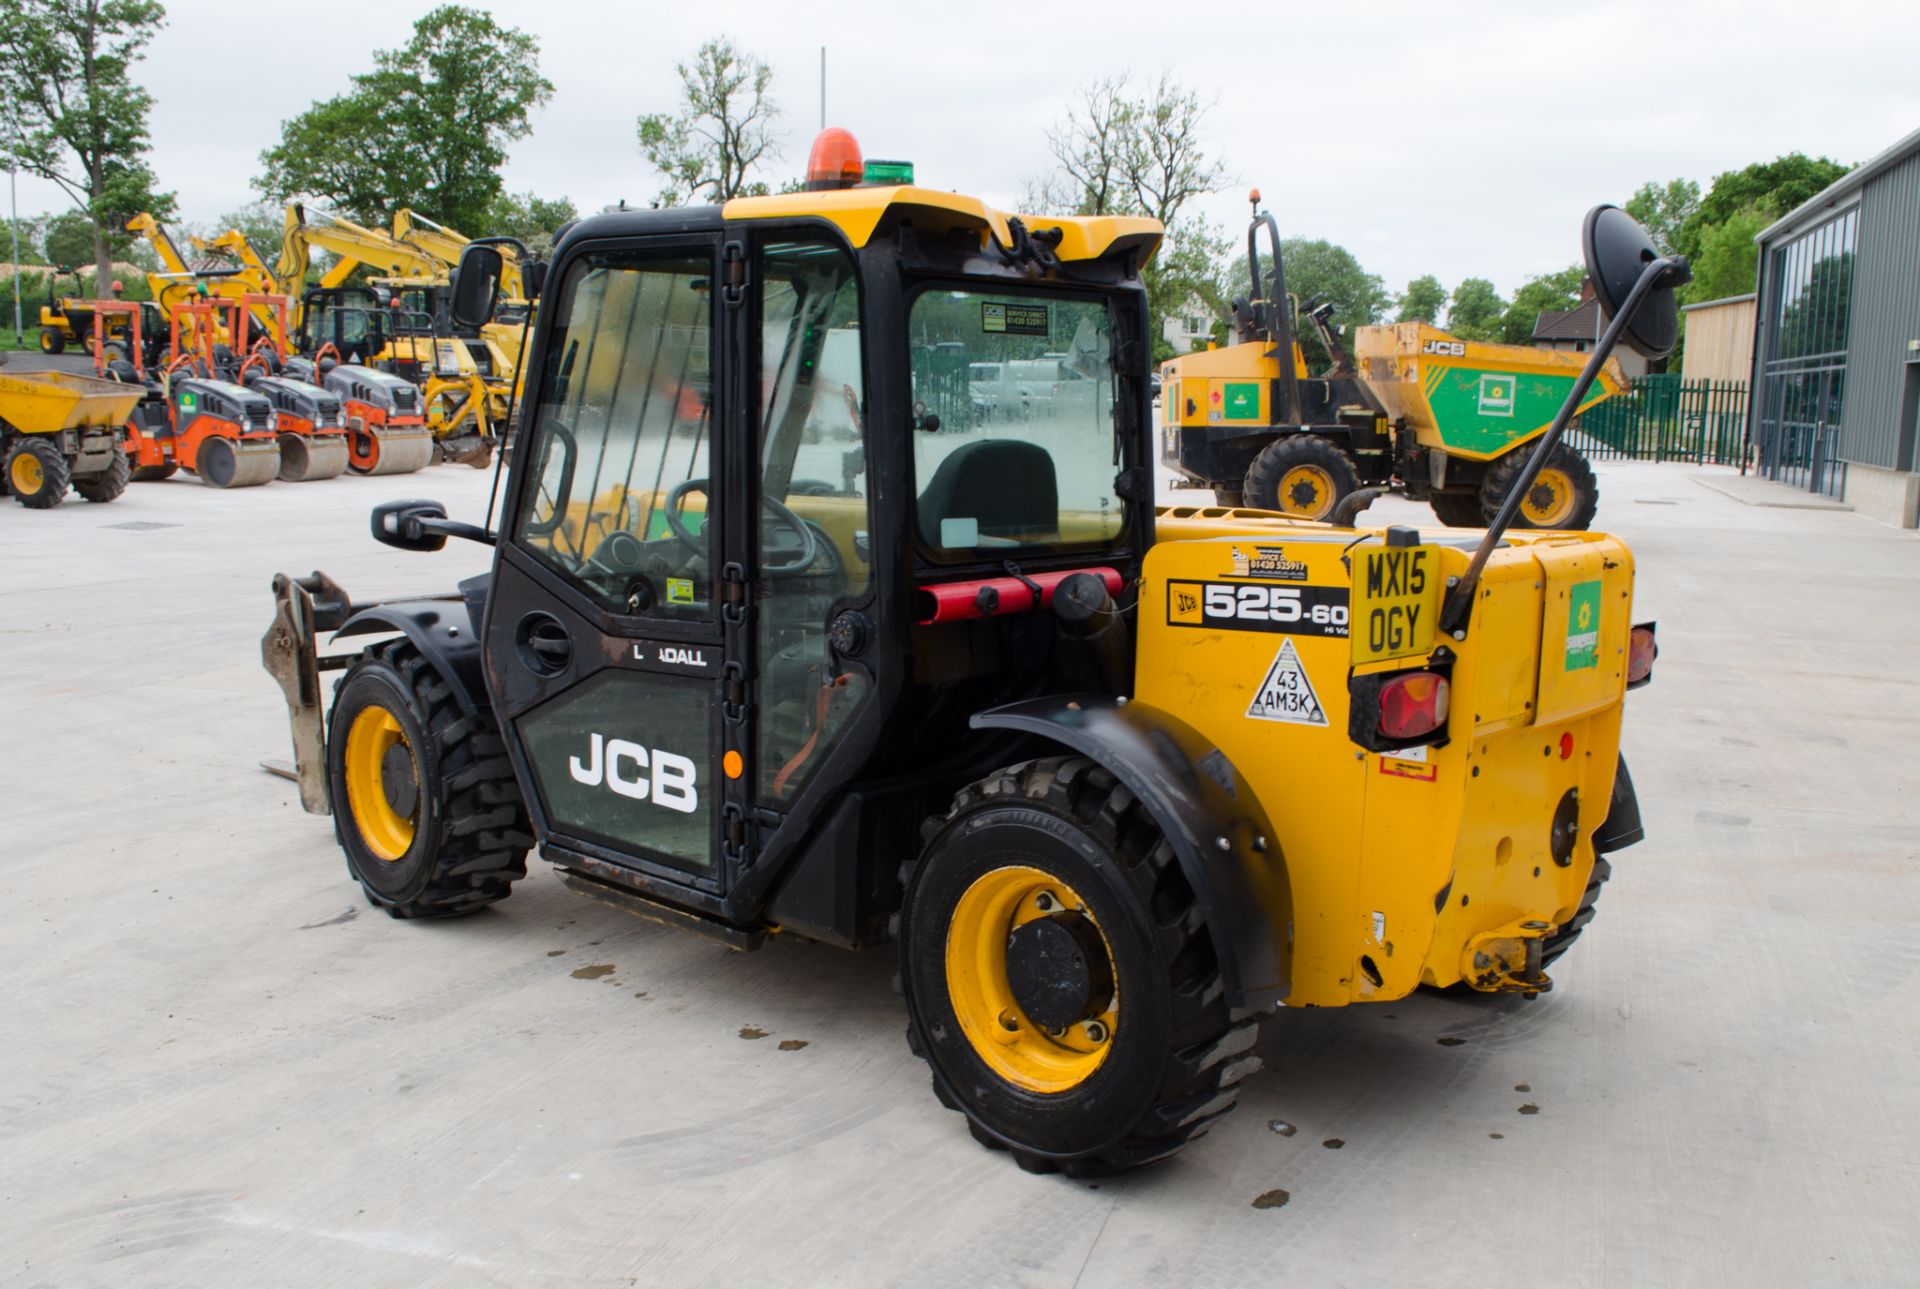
(809, 544)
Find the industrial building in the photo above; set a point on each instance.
(1836, 355)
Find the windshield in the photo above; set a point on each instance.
(1013, 445)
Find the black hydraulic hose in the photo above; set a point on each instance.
(1453, 614)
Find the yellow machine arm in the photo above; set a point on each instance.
(445, 245)
(351, 244)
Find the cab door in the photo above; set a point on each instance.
(606, 622)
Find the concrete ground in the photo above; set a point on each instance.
(220, 1067)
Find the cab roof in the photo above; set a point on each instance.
(857, 212)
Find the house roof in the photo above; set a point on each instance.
(1582, 323)
(1839, 188)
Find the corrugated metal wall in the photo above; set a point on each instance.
(1886, 315)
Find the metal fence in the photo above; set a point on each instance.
(1663, 418)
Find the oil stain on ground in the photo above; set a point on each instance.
(594, 972)
(1271, 1199)
(748, 1031)
(792, 1044)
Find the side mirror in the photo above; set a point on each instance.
(533, 276)
(1617, 251)
(401, 524)
(476, 286)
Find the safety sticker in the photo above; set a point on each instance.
(1409, 763)
(680, 590)
(1286, 694)
(1002, 318)
(1583, 626)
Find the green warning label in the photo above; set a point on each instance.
(1243, 400)
(1583, 626)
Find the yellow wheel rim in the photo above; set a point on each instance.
(27, 476)
(1307, 491)
(1549, 503)
(387, 832)
(1014, 1047)
(46, 343)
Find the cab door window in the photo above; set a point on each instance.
(621, 495)
(813, 519)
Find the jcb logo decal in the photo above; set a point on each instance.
(666, 778)
(1446, 348)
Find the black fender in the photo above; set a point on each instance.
(1622, 827)
(442, 630)
(1208, 813)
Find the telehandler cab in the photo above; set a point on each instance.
(779, 637)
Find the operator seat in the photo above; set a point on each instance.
(1007, 486)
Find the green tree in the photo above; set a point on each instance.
(1556, 291)
(1117, 152)
(1320, 272)
(1775, 186)
(723, 130)
(1727, 262)
(1664, 210)
(428, 127)
(1477, 310)
(69, 240)
(81, 121)
(1422, 301)
(532, 219)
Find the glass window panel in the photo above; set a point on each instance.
(623, 424)
(1024, 455)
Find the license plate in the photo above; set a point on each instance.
(1395, 602)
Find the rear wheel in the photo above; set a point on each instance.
(1059, 977)
(1564, 494)
(109, 483)
(1458, 509)
(51, 341)
(37, 473)
(1563, 936)
(1300, 475)
(427, 808)
(154, 473)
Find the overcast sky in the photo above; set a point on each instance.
(1462, 139)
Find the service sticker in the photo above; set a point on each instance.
(1583, 626)
(679, 590)
(1002, 317)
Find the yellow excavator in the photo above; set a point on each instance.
(503, 333)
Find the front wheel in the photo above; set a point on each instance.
(427, 808)
(37, 474)
(1301, 476)
(1564, 495)
(1059, 976)
(52, 341)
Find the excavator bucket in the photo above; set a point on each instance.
(304, 457)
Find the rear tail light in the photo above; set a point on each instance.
(1413, 705)
(1642, 649)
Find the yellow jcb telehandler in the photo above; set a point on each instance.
(782, 632)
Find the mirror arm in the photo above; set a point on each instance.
(1459, 604)
(453, 528)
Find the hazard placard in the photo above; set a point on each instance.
(1286, 694)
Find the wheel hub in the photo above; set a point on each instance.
(398, 782)
(1058, 970)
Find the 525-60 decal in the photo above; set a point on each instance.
(1242, 606)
